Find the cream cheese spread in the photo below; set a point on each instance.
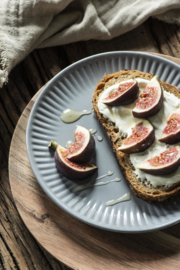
(124, 120)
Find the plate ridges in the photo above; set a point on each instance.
(165, 73)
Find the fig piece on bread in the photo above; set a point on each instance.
(171, 133)
(141, 138)
(126, 93)
(150, 100)
(162, 164)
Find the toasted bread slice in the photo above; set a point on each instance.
(143, 191)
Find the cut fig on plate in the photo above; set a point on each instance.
(171, 133)
(72, 170)
(165, 163)
(84, 147)
(126, 93)
(150, 100)
(141, 138)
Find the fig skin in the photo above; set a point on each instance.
(153, 110)
(88, 151)
(173, 137)
(141, 145)
(126, 98)
(164, 169)
(66, 168)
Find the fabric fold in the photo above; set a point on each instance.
(26, 25)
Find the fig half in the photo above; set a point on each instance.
(84, 147)
(150, 100)
(171, 133)
(141, 138)
(165, 163)
(126, 93)
(72, 170)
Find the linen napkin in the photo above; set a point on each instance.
(29, 24)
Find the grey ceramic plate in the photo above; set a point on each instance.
(73, 88)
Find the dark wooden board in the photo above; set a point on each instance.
(74, 243)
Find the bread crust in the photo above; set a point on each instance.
(145, 192)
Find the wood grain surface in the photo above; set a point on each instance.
(18, 248)
(78, 245)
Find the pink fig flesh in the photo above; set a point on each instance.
(84, 147)
(141, 138)
(72, 170)
(171, 133)
(165, 163)
(150, 100)
(126, 93)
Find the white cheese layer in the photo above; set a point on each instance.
(124, 121)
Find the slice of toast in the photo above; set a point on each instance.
(145, 192)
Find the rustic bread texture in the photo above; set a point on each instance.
(143, 191)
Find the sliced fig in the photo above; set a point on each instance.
(141, 138)
(126, 93)
(150, 100)
(72, 170)
(84, 147)
(171, 133)
(165, 163)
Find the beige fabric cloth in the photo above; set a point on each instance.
(29, 24)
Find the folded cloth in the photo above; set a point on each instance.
(26, 25)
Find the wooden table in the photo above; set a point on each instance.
(18, 249)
